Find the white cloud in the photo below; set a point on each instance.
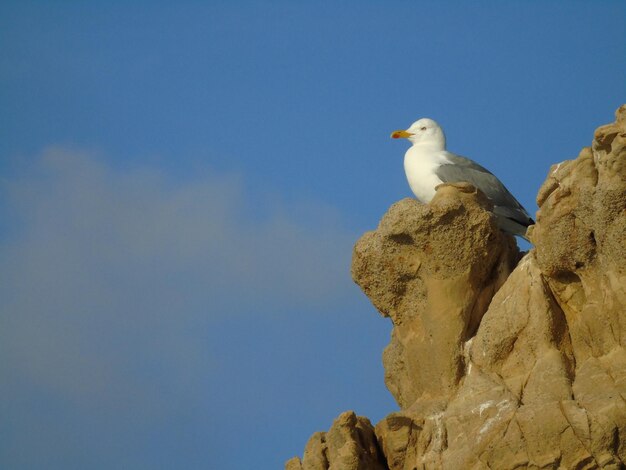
(108, 279)
(87, 229)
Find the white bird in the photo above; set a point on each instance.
(428, 164)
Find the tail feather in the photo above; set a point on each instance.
(513, 226)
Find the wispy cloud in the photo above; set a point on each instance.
(109, 279)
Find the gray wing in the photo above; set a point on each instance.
(505, 205)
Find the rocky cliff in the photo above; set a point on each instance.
(498, 360)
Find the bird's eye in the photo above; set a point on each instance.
(423, 128)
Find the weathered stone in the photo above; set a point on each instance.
(350, 444)
(496, 365)
(315, 453)
(433, 270)
(293, 464)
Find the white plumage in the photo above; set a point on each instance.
(428, 164)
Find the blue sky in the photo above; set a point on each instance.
(181, 185)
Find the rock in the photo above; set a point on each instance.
(497, 363)
(350, 444)
(294, 464)
(433, 270)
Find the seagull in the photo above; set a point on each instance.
(428, 164)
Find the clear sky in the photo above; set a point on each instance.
(181, 185)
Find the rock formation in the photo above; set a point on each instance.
(498, 362)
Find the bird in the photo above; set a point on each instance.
(428, 164)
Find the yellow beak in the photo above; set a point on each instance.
(400, 134)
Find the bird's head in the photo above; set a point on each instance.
(424, 132)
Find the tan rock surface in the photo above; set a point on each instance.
(495, 365)
(433, 270)
(350, 444)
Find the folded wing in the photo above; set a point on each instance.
(510, 214)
